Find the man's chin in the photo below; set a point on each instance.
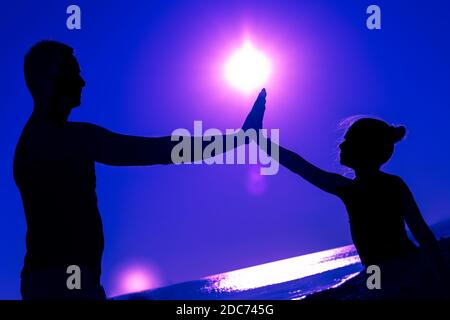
(76, 104)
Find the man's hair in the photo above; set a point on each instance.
(42, 64)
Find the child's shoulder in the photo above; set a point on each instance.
(391, 176)
(394, 180)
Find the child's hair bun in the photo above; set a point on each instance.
(397, 133)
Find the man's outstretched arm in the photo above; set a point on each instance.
(116, 149)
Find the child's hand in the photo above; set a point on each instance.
(256, 115)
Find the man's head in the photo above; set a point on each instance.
(52, 75)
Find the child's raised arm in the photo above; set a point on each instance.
(324, 180)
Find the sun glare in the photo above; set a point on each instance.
(248, 69)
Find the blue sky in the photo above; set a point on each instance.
(154, 66)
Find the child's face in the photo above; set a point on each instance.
(352, 151)
(345, 155)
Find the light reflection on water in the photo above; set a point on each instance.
(300, 294)
(288, 279)
(285, 270)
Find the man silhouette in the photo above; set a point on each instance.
(54, 169)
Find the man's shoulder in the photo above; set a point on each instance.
(83, 129)
(76, 125)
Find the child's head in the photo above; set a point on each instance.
(369, 143)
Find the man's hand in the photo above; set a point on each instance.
(256, 115)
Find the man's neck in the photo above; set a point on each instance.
(53, 113)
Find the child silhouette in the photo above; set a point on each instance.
(378, 204)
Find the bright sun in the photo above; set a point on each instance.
(247, 69)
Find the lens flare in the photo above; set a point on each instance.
(248, 69)
(134, 278)
(256, 183)
(137, 280)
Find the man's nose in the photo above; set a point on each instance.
(83, 83)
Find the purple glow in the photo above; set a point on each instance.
(248, 69)
(135, 278)
(198, 76)
(256, 183)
